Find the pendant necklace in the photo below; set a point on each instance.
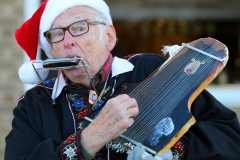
(93, 97)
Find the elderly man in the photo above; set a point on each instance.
(49, 118)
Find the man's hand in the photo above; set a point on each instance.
(114, 119)
(139, 153)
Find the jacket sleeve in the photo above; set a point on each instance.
(216, 133)
(31, 139)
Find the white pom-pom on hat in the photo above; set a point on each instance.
(28, 75)
(27, 37)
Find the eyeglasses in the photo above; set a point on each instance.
(76, 29)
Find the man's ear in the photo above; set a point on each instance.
(111, 38)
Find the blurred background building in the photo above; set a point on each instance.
(142, 26)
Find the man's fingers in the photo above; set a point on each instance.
(132, 112)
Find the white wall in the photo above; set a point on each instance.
(229, 95)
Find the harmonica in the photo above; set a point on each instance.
(61, 63)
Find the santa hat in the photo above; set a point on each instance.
(30, 35)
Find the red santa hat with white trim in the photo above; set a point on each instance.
(30, 35)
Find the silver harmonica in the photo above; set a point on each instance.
(61, 63)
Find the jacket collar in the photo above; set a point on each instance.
(119, 66)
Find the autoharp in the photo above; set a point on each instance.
(165, 98)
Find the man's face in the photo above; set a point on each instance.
(92, 47)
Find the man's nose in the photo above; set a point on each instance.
(68, 40)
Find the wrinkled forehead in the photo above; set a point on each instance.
(74, 14)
